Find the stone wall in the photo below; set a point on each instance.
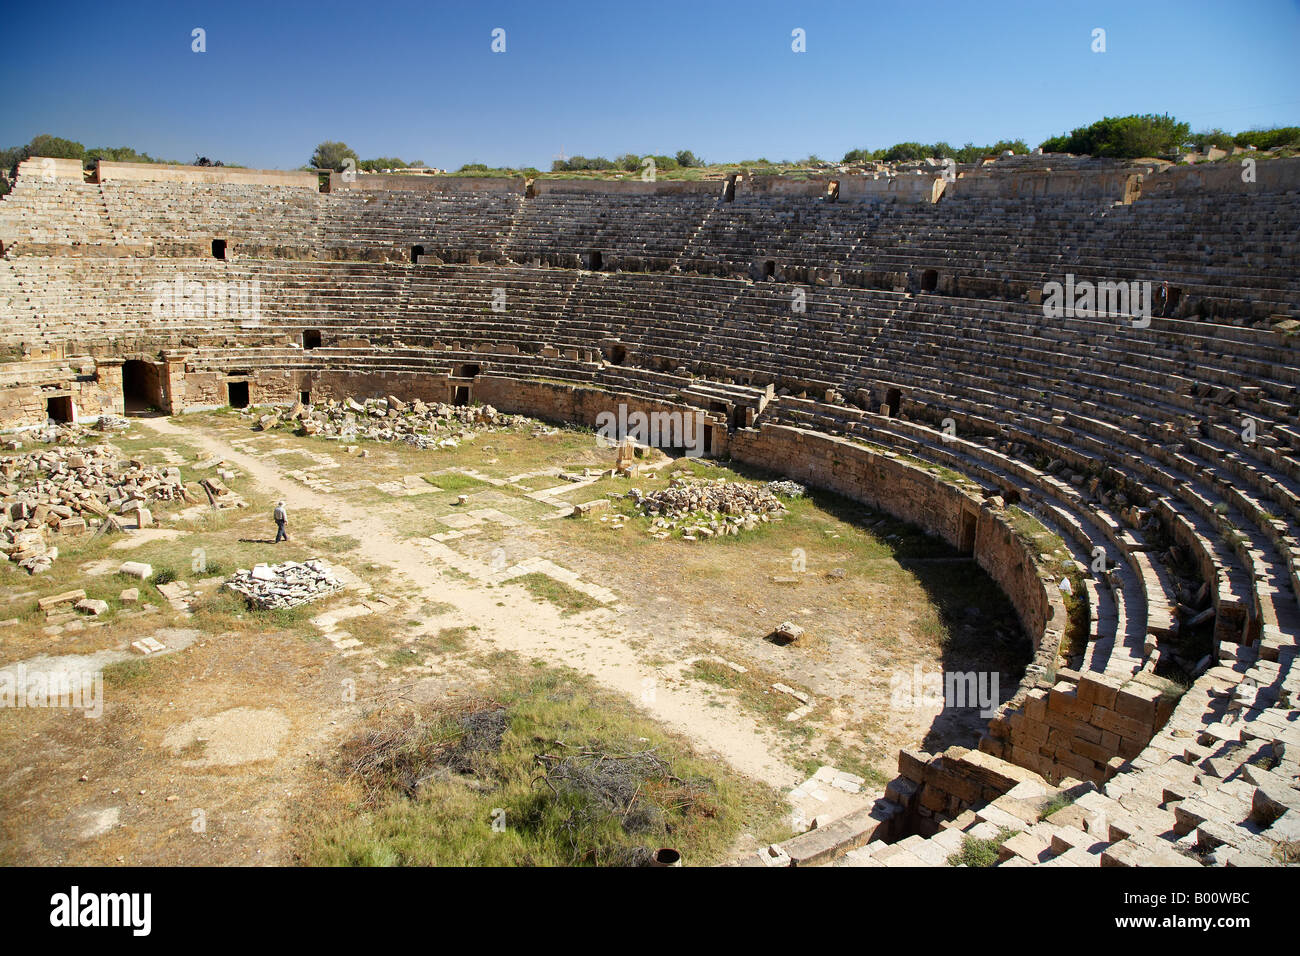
(159, 172)
(199, 389)
(627, 187)
(852, 188)
(366, 182)
(923, 188)
(582, 406)
(46, 167)
(1121, 185)
(25, 388)
(1084, 726)
(930, 788)
(1274, 175)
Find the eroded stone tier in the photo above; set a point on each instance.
(883, 336)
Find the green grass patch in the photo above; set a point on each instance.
(977, 852)
(1058, 802)
(453, 481)
(569, 600)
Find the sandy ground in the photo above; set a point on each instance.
(509, 619)
(211, 763)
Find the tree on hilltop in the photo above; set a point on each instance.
(332, 155)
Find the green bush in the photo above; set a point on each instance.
(1269, 138)
(1123, 137)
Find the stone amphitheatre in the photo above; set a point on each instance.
(889, 466)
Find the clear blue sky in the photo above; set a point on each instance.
(419, 81)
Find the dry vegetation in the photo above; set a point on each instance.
(260, 723)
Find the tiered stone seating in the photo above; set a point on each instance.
(460, 222)
(53, 211)
(1170, 450)
(144, 211)
(643, 226)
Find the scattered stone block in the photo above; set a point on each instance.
(54, 600)
(136, 569)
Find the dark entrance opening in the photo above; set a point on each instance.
(595, 261)
(929, 280)
(141, 387)
(218, 248)
(237, 394)
(1170, 307)
(58, 408)
(461, 398)
(893, 402)
(304, 397)
(311, 338)
(969, 522)
(833, 190)
(416, 252)
(729, 190)
(617, 355)
(468, 370)
(769, 269)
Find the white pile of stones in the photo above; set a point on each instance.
(417, 423)
(786, 488)
(60, 489)
(275, 586)
(706, 509)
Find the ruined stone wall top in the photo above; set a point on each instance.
(1272, 175)
(157, 172)
(365, 182)
(628, 187)
(1117, 185)
(46, 167)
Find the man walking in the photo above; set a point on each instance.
(281, 516)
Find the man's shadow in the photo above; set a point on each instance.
(257, 541)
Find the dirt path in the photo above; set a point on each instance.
(507, 618)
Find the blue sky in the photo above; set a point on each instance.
(419, 80)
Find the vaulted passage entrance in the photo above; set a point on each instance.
(58, 408)
(142, 387)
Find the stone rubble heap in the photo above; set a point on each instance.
(786, 488)
(424, 425)
(706, 509)
(275, 586)
(62, 489)
(70, 433)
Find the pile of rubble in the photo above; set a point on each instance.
(65, 489)
(275, 586)
(70, 433)
(786, 488)
(424, 425)
(707, 509)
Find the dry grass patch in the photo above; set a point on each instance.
(549, 772)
